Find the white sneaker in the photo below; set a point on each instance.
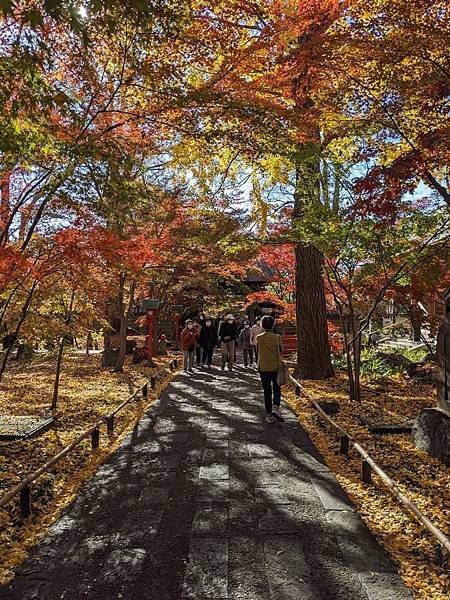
(277, 413)
(270, 419)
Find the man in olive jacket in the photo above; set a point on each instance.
(270, 347)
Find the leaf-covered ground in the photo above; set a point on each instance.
(87, 393)
(426, 481)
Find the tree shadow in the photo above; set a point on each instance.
(129, 530)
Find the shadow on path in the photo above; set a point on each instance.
(203, 499)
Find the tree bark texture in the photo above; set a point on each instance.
(124, 316)
(313, 348)
(118, 367)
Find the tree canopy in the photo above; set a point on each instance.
(164, 148)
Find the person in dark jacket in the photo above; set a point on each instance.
(228, 332)
(208, 341)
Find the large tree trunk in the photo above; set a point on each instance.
(118, 367)
(124, 316)
(313, 348)
(416, 317)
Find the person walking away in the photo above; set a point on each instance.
(198, 349)
(208, 341)
(228, 332)
(238, 328)
(201, 319)
(255, 330)
(220, 320)
(245, 344)
(188, 341)
(270, 347)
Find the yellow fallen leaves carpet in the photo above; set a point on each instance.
(425, 480)
(87, 393)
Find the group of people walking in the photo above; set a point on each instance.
(200, 336)
(198, 339)
(258, 343)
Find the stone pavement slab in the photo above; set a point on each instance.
(205, 500)
(207, 570)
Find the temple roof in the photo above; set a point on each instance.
(260, 273)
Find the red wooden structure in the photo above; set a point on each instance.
(289, 345)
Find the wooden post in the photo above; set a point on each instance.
(25, 502)
(145, 391)
(95, 438)
(344, 444)
(366, 471)
(175, 363)
(297, 390)
(150, 336)
(153, 382)
(110, 424)
(171, 365)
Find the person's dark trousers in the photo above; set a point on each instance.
(256, 353)
(248, 356)
(207, 355)
(198, 354)
(271, 389)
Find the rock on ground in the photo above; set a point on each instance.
(431, 433)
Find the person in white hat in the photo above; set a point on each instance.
(255, 330)
(228, 332)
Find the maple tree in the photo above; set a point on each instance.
(277, 263)
(389, 94)
(367, 259)
(161, 149)
(203, 98)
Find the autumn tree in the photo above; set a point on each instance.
(389, 68)
(367, 259)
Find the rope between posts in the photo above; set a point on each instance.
(30, 478)
(26, 481)
(390, 484)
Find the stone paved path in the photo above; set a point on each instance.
(204, 500)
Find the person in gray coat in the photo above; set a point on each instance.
(245, 344)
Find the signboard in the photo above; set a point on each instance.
(150, 304)
(177, 308)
